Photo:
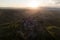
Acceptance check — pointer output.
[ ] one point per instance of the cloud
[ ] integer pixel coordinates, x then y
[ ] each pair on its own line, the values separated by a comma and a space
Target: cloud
56, 1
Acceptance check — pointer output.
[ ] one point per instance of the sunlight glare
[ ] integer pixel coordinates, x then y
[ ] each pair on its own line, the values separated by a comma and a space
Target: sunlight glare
33, 4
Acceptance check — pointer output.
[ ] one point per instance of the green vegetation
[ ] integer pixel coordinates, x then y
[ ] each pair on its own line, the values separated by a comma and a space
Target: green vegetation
46, 25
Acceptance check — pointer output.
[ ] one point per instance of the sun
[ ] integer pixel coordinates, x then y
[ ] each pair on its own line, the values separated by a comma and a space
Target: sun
33, 4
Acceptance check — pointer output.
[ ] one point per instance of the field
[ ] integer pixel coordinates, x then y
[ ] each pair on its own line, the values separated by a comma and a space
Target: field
22, 24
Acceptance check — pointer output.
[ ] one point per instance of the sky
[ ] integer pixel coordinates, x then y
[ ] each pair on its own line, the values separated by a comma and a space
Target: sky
24, 3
